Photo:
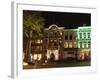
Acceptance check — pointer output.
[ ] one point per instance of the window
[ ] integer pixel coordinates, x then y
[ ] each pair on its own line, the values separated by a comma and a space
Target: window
71, 37
51, 40
80, 34
38, 41
65, 45
85, 45
89, 45
60, 33
51, 34
41, 41
66, 37
84, 35
55, 44
88, 35
60, 41
46, 40
56, 34
70, 45
75, 45
75, 37
37, 56
80, 44
55, 40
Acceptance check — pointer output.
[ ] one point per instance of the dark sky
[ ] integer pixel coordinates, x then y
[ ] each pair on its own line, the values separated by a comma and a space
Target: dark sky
68, 20
65, 19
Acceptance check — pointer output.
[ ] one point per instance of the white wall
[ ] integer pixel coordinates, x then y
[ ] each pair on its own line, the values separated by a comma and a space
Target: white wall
5, 38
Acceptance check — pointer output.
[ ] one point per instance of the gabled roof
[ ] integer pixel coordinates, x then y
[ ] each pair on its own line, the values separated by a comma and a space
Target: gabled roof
54, 27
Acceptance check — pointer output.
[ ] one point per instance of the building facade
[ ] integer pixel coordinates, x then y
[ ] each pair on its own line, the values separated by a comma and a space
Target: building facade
53, 42
58, 43
37, 49
70, 44
84, 42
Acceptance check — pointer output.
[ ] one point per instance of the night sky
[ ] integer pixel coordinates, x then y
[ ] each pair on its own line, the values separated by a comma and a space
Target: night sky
65, 19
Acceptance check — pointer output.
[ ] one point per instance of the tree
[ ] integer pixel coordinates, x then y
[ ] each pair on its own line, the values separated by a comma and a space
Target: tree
33, 23
32, 20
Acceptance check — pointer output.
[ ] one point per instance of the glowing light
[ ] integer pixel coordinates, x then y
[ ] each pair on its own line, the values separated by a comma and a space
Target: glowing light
41, 41
70, 45
55, 40
60, 33
25, 64
38, 41
56, 55
65, 44
37, 56
55, 52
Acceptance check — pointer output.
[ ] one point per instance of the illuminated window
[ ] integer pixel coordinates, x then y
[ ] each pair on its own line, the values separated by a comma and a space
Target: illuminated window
65, 45
60, 33
75, 45
55, 40
70, 45
39, 41
60, 41
37, 56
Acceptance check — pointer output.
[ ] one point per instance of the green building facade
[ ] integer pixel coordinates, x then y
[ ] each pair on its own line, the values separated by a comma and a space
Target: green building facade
84, 42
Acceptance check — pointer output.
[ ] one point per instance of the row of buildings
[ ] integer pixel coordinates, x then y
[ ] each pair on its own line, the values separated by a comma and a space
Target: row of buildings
58, 43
